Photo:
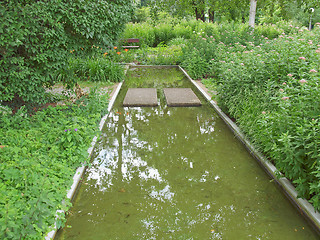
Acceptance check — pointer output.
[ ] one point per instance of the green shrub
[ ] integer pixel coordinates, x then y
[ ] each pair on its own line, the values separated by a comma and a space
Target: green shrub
37, 38
163, 33
272, 91
290, 27
143, 31
38, 161
198, 55
181, 31
269, 31
161, 55
141, 15
179, 41
196, 65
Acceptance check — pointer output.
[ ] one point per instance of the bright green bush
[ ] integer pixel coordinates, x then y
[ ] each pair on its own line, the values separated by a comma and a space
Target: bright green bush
290, 27
141, 15
181, 31
268, 30
196, 65
198, 55
163, 33
36, 38
179, 41
161, 55
143, 31
38, 161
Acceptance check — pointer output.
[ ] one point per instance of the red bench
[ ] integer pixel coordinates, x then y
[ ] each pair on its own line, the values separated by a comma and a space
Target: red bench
131, 40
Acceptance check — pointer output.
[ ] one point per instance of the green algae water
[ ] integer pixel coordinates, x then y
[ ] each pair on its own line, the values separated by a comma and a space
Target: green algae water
176, 173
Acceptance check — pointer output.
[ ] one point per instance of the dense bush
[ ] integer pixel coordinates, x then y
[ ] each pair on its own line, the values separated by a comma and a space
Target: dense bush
163, 33
37, 38
143, 31
272, 90
39, 158
233, 37
197, 56
141, 15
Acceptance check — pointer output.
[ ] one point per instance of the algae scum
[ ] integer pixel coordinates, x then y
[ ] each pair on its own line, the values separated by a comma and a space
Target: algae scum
176, 173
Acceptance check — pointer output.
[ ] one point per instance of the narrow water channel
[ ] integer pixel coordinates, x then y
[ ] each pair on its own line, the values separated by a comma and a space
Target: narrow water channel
176, 173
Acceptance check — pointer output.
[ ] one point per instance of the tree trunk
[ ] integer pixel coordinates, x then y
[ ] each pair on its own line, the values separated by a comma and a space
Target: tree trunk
202, 17
252, 15
198, 10
199, 14
211, 15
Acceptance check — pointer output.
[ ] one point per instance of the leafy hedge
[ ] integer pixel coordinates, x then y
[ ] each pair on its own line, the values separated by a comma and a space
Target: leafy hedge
38, 160
36, 38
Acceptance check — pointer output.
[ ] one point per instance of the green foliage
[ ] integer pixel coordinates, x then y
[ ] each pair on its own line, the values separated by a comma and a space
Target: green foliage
267, 30
182, 31
272, 91
141, 15
36, 38
94, 69
197, 56
38, 161
161, 55
227, 33
201, 55
143, 31
179, 41
163, 33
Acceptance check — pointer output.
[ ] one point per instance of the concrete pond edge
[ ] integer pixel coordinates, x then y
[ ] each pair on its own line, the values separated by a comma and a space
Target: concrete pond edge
305, 208
80, 170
